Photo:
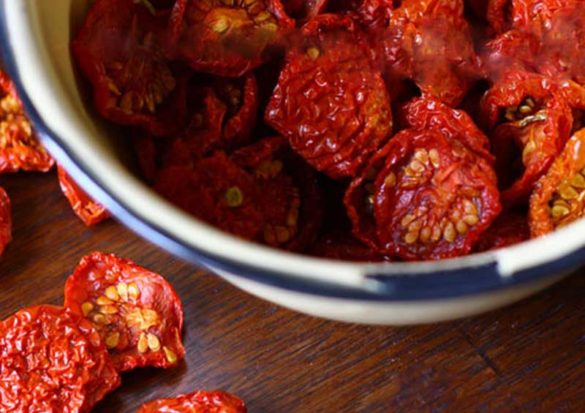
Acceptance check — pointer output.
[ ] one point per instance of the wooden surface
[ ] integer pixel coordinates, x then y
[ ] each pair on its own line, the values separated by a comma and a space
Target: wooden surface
529, 357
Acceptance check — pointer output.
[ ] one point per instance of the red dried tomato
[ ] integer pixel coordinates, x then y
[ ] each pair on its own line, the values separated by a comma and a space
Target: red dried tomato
430, 113
19, 145
507, 230
304, 8
121, 50
289, 196
223, 116
89, 211
373, 14
228, 38
136, 312
559, 196
263, 193
492, 11
423, 196
198, 402
52, 360
430, 42
331, 102
531, 121
5, 220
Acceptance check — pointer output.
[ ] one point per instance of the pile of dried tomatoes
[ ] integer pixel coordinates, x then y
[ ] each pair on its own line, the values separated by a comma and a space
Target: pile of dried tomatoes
351, 129
116, 316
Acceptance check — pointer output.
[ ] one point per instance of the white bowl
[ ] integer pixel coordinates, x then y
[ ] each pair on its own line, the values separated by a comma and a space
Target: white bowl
35, 43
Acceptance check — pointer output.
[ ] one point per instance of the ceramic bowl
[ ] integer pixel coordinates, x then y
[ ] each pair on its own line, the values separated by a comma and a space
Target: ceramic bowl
34, 38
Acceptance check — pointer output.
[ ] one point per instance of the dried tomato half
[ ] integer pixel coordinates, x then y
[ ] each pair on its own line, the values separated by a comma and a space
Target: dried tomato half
121, 50
198, 402
52, 360
263, 192
304, 8
510, 228
136, 312
5, 220
494, 12
228, 38
330, 102
20, 148
559, 196
89, 211
223, 114
430, 42
423, 196
372, 14
530, 120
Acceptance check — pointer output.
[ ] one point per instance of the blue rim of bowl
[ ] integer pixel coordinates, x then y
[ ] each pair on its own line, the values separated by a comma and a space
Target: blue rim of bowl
442, 284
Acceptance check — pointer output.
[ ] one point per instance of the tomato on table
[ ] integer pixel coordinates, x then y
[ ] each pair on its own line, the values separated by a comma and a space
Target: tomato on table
228, 38
559, 196
198, 402
430, 42
121, 49
136, 312
20, 149
508, 229
52, 360
424, 196
331, 102
88, 210
530, 120
5, 220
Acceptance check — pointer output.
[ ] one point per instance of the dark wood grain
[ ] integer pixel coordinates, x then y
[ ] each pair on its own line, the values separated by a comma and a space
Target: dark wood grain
529, 357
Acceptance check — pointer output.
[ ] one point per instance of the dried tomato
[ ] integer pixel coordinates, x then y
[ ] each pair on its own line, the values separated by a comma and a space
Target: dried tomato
495, 12
88, 210
136, 312
423, 196
344, 246
304, 8
330, 101
198, 402
430, 42
510, 228
289, 196
121, 49
372, 14
5, 220
52, 360
531, 120
228, 38
262, 193
430, 113
20, 148
223, 116
559, 196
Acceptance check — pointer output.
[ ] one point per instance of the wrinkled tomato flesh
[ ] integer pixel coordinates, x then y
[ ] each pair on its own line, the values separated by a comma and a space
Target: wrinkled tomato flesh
198, 402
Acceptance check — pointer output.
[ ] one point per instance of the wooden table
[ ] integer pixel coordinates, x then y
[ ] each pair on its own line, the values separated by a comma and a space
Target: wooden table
529, 357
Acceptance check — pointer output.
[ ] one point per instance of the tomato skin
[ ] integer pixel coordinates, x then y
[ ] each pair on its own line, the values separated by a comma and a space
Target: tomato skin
121, 49
344, 246
5, 220
330, 101
143, 304
89, 211
509, 229
228, 41
52, 360
539, 135
20, 149
424, 196
201, 401
430, 42
431, 113
557, 199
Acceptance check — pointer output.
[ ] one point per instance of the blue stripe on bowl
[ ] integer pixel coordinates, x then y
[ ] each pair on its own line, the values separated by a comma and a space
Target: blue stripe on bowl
437, 285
